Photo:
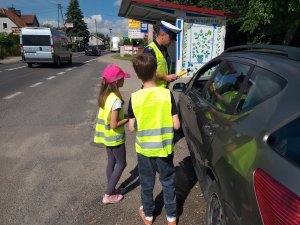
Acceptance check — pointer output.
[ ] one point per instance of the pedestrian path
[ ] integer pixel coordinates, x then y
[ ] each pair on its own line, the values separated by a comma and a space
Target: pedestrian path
10, 59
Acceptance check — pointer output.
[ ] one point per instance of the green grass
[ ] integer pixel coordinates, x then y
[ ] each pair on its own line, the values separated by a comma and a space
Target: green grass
125, 57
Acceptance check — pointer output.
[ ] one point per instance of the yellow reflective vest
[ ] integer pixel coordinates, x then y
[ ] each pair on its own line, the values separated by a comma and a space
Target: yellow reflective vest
103, 133
152, 109
162, 65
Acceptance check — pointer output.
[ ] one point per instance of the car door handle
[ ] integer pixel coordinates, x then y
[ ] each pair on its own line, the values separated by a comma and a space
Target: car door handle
189, 106
207, 130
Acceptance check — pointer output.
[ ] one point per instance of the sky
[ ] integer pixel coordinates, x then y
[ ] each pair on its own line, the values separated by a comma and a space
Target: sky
104, 11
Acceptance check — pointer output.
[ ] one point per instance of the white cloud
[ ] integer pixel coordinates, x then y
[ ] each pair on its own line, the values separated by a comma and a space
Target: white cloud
51, 22
117, 27
117, 2
92, 21
103, 26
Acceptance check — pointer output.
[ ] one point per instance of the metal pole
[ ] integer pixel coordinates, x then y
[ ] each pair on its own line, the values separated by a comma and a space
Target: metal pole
57, 16
96, 36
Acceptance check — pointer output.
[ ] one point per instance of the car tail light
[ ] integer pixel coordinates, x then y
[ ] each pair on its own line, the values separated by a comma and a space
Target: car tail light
52, 49
21, 49
277, 204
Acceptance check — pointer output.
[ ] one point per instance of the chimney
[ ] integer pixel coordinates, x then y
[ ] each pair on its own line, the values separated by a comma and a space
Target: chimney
17, 12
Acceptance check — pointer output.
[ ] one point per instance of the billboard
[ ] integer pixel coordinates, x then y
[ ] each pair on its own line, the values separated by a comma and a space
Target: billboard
134, 24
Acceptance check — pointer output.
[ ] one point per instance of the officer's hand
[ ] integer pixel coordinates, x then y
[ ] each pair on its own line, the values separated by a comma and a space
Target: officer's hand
170, 77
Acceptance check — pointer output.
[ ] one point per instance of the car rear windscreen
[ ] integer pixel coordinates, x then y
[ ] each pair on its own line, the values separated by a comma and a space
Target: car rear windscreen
36, 40
286, 141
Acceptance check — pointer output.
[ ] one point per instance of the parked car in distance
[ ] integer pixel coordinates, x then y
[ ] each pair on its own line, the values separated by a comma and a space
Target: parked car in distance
92, 50
41, 45
240, 115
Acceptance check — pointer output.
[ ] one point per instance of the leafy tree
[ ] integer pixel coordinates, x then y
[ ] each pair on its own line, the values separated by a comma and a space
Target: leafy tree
9, 45
74, 15
258, 21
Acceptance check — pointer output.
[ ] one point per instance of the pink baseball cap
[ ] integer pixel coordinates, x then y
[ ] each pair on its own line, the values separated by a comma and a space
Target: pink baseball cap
114, 73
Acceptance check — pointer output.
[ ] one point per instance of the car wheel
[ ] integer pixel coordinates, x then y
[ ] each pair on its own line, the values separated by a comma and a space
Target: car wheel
70, 60
58, 63
29, 65
215, 211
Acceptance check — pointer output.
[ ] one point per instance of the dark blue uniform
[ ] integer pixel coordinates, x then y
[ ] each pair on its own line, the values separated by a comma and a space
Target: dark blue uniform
163, 51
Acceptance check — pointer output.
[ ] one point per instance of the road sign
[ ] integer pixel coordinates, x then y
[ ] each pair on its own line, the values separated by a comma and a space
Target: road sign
134, 24
144, 27
69, 25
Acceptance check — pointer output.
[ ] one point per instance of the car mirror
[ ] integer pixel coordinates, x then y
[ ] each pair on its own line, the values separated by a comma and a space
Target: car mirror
179, 87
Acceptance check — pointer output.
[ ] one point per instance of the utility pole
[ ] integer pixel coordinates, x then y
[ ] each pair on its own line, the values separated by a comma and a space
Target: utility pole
96, 36
59, 10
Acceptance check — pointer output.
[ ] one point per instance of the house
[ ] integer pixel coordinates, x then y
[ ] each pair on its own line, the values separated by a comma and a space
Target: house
95, 40
203, 30
11, 20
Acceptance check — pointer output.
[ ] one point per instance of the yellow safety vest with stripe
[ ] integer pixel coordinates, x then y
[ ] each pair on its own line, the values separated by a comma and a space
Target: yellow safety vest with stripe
104, 134
152, 109
162, 65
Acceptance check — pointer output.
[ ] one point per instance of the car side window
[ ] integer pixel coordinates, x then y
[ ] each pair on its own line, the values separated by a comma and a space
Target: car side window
286, 141
203, 75
226, 84
262, 85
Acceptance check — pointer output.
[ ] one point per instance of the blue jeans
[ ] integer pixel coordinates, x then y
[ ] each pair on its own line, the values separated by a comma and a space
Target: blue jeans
148, 166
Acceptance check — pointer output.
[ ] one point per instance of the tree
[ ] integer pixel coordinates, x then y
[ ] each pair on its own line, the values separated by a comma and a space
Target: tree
48, 25
258, 21
74, 15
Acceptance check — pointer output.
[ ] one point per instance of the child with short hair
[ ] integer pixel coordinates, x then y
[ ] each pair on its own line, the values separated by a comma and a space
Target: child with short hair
110, 130
153, 115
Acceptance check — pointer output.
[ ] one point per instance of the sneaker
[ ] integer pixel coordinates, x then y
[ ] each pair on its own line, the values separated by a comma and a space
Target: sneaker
111, 198
148, 220
120, 191
172, 220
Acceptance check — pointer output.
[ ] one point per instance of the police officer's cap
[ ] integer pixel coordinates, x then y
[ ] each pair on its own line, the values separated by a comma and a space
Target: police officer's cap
170, 29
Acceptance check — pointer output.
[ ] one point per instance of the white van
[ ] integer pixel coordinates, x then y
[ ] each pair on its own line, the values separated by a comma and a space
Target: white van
115, 44
41, 45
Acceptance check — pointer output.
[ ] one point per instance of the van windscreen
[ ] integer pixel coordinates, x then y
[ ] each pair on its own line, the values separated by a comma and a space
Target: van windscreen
36, 40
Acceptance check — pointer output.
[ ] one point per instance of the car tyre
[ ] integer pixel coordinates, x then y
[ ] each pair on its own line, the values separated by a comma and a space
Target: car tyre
29, 65
70, 60
215, 211
58, 63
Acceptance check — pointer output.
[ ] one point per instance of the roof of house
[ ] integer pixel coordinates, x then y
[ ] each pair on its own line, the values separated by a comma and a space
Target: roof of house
96, 36
28, 19
19, 20
153, 11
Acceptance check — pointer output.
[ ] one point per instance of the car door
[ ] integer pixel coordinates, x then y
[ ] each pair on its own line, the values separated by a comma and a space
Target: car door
190, 103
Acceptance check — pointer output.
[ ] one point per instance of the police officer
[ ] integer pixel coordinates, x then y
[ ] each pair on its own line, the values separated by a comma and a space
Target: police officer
158, 48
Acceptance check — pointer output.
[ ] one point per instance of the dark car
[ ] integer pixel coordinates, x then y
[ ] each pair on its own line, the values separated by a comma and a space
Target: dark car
92, 50
240, 116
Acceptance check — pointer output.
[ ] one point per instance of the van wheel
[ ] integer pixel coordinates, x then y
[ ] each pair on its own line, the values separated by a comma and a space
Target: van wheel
58, 63
215, 211
29, 65
70, 60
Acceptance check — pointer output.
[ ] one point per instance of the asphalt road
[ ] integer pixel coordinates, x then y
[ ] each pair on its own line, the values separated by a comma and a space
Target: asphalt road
50, 171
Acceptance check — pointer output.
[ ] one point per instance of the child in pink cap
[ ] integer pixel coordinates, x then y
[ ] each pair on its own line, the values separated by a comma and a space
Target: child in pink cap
110, 130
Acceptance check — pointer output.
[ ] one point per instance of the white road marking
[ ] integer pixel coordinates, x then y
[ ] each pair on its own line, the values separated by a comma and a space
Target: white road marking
69, 69
50, 78
16, 68
90, 60
36, 84
13, 95
61, 73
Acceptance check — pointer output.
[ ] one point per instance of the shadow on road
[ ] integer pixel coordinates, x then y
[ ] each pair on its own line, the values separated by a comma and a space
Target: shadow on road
185, 179
132, 181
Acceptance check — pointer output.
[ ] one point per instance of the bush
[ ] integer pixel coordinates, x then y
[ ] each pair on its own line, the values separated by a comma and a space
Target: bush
9, 45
